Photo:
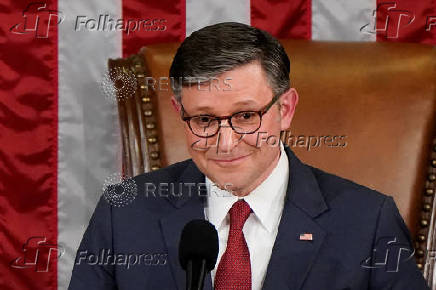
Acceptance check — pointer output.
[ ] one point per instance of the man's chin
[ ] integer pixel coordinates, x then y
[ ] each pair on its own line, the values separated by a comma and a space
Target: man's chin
228, 182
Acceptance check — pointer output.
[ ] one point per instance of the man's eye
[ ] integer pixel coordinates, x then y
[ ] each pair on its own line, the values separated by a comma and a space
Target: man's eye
202, 119
246, 116
205, 119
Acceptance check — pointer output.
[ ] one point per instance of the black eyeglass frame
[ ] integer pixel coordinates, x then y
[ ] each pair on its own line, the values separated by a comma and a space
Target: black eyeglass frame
262, 112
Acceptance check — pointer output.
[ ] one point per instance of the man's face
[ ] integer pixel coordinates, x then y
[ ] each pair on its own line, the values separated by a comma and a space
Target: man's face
237, 162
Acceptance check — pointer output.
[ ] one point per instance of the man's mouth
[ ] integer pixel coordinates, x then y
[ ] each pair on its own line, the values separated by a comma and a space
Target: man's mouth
229, 161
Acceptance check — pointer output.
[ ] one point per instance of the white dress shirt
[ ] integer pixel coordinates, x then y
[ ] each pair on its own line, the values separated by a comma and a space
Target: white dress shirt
260, 229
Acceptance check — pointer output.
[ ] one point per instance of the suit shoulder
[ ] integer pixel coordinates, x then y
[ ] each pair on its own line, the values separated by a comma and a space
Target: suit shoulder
166, 174
335, 187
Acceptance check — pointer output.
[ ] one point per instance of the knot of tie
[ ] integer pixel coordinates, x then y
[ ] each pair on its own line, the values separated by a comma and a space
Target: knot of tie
239, 213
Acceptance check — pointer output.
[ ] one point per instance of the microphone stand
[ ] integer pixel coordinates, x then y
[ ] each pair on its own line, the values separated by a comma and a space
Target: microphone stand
190, 283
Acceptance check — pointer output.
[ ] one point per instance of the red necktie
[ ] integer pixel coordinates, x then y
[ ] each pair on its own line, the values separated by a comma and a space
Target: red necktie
234, 269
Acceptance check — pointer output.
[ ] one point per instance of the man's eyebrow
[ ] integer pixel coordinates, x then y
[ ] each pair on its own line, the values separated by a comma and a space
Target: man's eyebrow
202, 109
242, 102
246, 102
210, 109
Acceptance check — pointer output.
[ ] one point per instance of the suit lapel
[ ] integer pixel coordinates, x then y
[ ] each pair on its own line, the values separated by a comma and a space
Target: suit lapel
188, 206
292, 258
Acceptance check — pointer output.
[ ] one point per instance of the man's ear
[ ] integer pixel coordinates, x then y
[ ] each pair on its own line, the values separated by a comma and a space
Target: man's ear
176, 104
288, 103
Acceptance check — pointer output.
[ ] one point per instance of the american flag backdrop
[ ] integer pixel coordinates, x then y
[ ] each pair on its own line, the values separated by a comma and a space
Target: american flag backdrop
59, 137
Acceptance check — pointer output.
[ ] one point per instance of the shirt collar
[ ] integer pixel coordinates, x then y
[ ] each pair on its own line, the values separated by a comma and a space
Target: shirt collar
266, 200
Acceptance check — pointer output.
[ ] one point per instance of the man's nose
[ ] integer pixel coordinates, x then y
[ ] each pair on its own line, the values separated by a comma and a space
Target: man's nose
227, 138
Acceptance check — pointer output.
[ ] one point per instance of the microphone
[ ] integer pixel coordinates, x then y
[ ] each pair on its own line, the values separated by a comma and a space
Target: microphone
198, 252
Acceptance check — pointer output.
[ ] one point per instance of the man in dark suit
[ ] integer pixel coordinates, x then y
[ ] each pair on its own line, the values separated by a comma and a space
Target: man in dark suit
281, 224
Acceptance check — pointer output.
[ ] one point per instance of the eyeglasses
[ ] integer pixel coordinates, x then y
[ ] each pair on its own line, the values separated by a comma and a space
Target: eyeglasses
242, 122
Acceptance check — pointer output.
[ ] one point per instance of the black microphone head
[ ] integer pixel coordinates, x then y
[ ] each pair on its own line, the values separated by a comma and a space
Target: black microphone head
199, 240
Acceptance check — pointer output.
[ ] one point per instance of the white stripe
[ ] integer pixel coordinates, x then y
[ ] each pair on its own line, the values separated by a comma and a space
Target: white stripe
88, 132
200, 13
342, 20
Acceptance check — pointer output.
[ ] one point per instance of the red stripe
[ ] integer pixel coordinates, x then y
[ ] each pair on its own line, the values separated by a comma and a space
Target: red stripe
28, 143
406, 21
284, 18
159, 21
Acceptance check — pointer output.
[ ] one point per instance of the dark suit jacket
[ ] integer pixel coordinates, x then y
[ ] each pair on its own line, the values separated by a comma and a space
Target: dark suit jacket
359, 240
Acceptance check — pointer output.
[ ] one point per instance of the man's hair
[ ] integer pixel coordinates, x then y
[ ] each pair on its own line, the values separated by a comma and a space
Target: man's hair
219, 48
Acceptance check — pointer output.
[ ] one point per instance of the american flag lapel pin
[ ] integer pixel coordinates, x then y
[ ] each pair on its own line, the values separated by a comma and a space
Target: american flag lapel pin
306, 237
